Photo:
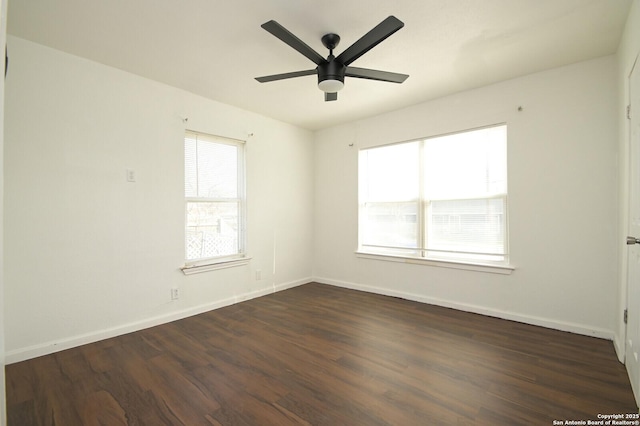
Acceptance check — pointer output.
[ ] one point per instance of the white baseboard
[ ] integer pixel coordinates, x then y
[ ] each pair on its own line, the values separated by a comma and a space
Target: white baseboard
618, 345
46, 348
512, 316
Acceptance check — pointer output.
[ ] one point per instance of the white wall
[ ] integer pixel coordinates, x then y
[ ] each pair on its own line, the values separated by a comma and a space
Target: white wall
89, 255
628, 50
562, 156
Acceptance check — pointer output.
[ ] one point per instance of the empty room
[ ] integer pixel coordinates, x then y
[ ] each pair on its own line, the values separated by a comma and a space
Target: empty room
283, 212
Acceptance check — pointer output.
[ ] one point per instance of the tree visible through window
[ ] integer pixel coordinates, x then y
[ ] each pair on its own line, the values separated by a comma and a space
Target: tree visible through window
442, 197
214, 197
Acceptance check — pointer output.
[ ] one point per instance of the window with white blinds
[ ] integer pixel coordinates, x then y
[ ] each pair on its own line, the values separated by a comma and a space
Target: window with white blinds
214, 198
438, 198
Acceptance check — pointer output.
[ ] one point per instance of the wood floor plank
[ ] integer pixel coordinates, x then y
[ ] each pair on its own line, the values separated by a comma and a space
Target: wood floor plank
322, 355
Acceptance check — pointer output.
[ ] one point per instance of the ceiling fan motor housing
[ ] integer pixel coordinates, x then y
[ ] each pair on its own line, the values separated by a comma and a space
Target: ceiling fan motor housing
331, 70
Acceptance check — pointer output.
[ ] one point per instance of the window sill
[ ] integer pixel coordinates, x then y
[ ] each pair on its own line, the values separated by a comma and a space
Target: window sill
467, 266
214, 265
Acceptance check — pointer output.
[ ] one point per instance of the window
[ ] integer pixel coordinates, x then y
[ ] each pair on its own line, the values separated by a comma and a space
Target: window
441, 198
214, 199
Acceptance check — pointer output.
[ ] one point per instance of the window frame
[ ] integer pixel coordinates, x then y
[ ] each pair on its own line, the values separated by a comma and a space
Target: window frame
209, 263
422, 254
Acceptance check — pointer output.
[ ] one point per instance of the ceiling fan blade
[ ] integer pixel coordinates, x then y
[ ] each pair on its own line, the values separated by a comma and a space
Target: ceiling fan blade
371, 39
275, 77
283, 34
330, 96
391, 77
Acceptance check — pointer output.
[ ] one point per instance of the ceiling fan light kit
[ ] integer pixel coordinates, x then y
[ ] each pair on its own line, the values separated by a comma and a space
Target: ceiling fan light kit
332, 71
331, 85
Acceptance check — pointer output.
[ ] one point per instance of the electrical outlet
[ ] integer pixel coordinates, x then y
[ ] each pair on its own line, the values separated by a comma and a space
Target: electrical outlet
175, 294
258, 275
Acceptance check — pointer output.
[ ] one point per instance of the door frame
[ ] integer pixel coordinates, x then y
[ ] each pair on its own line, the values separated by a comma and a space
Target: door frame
625, 292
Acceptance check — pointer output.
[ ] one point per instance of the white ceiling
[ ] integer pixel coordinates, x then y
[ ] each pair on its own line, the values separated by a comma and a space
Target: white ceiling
215, 48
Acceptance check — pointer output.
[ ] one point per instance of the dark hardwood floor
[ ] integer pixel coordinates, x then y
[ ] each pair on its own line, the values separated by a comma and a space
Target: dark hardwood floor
320, 355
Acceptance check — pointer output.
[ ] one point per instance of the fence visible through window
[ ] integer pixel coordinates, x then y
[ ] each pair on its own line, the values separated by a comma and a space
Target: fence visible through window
214, 197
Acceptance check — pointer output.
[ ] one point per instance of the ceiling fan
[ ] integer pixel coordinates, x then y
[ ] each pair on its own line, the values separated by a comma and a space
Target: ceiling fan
332, 71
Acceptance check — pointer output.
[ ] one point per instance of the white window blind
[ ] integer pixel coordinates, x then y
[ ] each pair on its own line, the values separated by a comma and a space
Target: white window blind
214, 197
443, 197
